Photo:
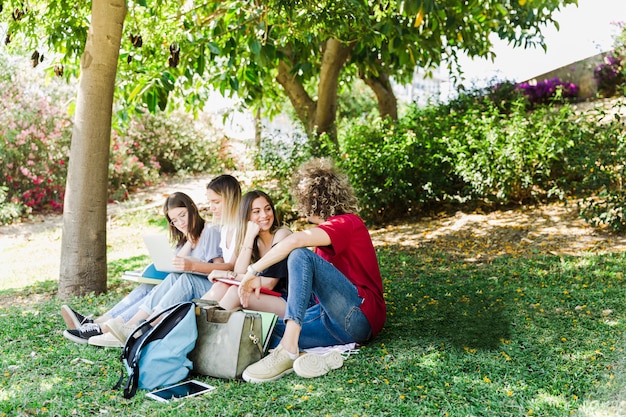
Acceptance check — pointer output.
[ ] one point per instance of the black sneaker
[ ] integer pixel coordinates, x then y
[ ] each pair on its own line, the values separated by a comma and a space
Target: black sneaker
73, 319
83, 333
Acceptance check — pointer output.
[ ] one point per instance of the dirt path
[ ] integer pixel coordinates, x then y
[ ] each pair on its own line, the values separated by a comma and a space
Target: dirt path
554, 228
37, 242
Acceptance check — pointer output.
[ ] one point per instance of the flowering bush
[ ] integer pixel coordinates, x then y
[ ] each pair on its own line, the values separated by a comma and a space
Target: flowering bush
126, 171
544, 91
36, 135
35, 146
8, 211
609, 75
174, 144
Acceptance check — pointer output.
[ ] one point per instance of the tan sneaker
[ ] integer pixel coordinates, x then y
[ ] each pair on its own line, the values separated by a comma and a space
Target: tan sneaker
105, 340
311, 365
270, 368
120, 330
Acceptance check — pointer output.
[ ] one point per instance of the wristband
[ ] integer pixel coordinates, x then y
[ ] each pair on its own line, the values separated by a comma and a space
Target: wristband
252, 270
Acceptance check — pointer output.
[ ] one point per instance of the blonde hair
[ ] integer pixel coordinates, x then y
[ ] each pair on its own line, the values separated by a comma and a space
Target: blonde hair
228, 187
321, 189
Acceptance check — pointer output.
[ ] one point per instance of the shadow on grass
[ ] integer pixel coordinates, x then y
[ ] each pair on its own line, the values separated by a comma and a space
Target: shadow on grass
434, 303
464, 326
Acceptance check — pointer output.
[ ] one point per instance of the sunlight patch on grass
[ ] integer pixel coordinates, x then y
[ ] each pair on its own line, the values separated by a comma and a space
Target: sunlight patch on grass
602, 409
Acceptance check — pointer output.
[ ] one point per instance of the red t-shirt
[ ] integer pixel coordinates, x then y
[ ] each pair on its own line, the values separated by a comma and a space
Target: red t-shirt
352, 252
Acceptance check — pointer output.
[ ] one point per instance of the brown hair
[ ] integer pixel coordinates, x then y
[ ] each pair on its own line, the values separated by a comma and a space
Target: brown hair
321, 189
194, 221
245, 209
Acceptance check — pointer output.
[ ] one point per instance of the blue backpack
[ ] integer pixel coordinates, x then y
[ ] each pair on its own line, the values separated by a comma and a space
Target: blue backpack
156, 356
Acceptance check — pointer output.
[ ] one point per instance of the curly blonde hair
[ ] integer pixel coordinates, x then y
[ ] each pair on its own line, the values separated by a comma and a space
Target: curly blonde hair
321, 189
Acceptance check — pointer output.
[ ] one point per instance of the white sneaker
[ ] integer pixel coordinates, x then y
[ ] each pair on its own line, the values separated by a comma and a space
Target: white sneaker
105, 340
312, 365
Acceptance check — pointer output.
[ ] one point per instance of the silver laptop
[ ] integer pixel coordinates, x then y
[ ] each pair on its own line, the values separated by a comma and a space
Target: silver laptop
161, 252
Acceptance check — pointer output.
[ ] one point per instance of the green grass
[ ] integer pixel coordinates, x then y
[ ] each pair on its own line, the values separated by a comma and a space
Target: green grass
520, 336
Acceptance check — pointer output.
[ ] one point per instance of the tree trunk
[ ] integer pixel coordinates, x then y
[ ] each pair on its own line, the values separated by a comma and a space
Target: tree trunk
299, 98
317, 117
83, 251
387, 102
334, 57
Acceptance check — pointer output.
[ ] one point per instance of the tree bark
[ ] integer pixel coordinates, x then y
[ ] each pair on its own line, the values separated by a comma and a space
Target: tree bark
387, 102
317, 117
334, 57
83, 251
300, 100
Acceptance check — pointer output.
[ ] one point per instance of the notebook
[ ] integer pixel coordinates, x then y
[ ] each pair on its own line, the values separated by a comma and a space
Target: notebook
148, 272
268, 322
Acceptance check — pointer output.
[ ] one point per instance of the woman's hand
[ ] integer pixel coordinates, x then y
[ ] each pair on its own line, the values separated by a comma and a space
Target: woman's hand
183, 263
249, 284
252, 231
217, 274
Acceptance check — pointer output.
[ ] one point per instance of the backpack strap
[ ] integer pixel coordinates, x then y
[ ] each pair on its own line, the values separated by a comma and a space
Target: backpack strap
133, 380
135, 342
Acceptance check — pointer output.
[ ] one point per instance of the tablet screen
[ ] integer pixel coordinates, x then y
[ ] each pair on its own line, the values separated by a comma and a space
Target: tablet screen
186, 389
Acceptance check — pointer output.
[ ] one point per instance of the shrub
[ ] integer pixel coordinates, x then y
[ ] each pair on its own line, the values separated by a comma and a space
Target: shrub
606, 210
546, 91
604, 179
609, 75
280, 156
356, 102
36, 133
174, 144
511, 158
9, 211
473, 149
395, 170
35, 147
126, 171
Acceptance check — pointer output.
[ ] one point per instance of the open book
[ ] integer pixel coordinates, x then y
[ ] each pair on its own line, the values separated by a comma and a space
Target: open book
230, 281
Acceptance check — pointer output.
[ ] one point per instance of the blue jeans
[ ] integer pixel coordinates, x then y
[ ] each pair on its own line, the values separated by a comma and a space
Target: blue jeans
152, 299
336, 319
129, 305
185, 287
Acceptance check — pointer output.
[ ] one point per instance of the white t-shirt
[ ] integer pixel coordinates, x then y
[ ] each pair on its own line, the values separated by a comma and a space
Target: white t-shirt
226, 251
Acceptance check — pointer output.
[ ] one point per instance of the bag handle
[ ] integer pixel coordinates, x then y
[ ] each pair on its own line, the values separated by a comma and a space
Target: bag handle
210, 308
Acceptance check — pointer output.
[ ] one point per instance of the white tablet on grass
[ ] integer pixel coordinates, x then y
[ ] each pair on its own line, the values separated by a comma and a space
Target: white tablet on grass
185, 389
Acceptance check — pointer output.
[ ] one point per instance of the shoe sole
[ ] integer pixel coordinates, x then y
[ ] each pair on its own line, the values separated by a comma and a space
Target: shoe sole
254, 380
105, 343
74, 339
70, 319
312, 365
